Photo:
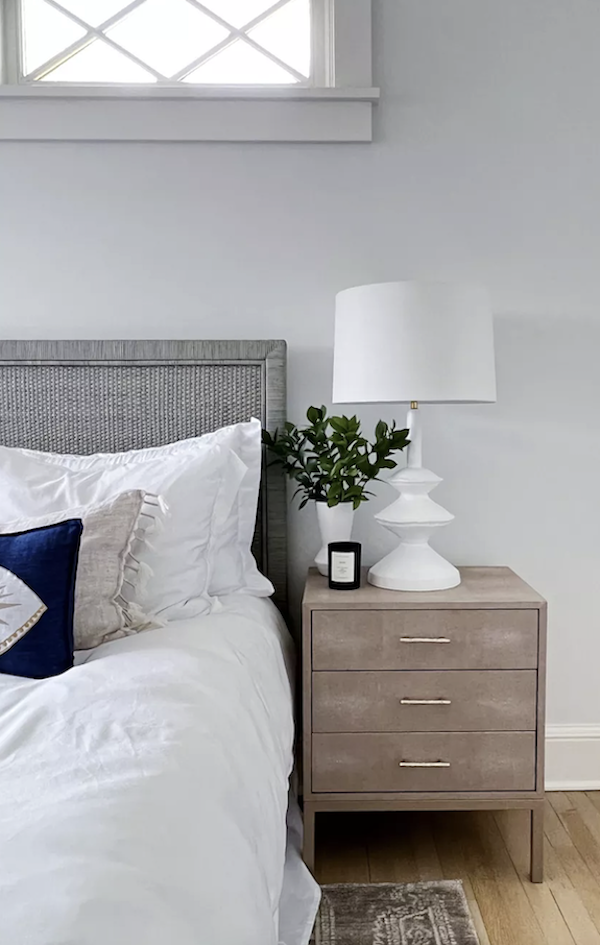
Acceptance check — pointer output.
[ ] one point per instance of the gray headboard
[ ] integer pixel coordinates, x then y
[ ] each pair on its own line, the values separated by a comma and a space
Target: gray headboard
107, 396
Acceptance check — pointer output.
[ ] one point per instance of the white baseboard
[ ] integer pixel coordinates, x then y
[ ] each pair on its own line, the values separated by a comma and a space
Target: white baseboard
573, 757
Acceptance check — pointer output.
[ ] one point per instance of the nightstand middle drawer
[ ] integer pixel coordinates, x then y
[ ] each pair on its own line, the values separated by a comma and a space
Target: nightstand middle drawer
417, 701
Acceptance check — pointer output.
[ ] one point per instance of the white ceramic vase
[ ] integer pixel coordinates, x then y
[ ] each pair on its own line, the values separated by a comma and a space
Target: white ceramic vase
335, 524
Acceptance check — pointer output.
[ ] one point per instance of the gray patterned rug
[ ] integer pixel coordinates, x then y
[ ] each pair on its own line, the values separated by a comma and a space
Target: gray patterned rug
392, 914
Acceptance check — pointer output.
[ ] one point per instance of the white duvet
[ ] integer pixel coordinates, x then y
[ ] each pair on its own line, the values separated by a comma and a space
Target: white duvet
143, 794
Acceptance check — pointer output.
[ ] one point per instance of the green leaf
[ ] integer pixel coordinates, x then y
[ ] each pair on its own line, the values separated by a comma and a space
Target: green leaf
337, 467
365, 466
338, 424
381, 430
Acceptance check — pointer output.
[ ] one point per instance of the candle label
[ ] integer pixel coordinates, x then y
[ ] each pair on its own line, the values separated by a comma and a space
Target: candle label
342, 567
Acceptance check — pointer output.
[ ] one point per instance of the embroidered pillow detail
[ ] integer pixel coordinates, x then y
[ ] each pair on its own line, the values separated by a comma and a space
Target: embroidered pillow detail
20, 609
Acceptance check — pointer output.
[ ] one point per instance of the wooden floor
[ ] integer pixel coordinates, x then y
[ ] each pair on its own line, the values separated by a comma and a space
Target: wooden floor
490, 853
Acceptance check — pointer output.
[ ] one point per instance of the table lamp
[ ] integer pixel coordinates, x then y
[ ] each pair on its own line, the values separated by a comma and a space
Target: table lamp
415, 343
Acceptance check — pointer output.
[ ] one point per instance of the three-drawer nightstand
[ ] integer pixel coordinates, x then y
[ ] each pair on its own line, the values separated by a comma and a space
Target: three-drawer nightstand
415, 701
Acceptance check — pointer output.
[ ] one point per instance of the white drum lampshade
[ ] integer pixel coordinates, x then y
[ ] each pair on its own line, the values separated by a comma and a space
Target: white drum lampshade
414, 342
398, 342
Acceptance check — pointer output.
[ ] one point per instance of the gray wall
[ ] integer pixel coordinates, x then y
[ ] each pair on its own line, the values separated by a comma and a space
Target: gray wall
485, 167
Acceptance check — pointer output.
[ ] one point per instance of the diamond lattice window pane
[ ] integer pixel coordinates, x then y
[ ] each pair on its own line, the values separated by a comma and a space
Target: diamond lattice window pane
286, 34
240, 64
94, 12
99, 62
238, 12
168, 34
45, 33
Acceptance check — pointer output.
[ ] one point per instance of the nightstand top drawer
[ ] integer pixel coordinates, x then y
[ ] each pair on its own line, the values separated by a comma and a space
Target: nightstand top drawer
421, 639
427, 761
445, 701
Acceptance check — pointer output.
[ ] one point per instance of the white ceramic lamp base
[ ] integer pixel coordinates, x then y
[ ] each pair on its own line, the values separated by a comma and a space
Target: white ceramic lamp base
413, 517
414, 566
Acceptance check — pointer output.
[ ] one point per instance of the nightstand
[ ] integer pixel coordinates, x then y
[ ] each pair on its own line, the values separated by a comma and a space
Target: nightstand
425, 701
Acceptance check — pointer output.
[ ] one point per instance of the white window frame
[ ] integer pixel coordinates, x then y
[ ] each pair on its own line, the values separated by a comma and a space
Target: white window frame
337, 107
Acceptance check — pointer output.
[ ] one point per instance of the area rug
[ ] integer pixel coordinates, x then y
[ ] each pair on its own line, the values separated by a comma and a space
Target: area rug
393, 914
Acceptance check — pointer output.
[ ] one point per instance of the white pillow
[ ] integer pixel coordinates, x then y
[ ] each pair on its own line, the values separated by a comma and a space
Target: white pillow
198, 487
233, 566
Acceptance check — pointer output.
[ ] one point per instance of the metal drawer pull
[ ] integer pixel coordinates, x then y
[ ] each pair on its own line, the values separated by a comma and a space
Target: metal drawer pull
425, 640
425, 702
424, 764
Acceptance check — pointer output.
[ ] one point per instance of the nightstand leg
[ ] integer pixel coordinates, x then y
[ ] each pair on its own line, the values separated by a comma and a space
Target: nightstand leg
308, 847
537, 845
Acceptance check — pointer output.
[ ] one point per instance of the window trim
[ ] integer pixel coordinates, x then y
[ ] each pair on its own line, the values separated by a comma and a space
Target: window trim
9, 43
337, 109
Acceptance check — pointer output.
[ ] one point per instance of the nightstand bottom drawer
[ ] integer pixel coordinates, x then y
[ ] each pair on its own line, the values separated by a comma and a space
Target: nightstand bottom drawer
423, 761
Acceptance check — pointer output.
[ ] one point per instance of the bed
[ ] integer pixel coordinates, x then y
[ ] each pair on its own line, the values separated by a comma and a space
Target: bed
144, 792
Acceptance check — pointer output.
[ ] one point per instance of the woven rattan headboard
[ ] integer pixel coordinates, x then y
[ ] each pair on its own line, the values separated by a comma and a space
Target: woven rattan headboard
106, 396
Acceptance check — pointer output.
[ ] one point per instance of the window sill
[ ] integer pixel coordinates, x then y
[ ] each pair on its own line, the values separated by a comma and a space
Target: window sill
139, 113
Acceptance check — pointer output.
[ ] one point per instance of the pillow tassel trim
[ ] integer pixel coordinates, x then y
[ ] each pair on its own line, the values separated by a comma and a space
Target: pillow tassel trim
137, 574
135, 618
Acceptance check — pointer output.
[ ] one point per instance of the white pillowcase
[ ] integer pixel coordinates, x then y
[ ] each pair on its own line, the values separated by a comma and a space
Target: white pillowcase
233, 567
199, 487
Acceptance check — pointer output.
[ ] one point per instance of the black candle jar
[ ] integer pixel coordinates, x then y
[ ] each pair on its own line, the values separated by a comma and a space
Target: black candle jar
344, 565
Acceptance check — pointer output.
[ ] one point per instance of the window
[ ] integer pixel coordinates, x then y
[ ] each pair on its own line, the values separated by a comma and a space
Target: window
216, 42
271, 58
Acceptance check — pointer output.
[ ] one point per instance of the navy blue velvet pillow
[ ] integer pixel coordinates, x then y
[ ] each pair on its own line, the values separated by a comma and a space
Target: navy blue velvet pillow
37, 590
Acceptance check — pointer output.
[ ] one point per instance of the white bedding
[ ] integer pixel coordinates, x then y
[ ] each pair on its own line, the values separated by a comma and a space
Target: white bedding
143, 793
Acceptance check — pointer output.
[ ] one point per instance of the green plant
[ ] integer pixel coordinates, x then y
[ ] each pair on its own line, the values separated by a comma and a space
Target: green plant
330, 459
